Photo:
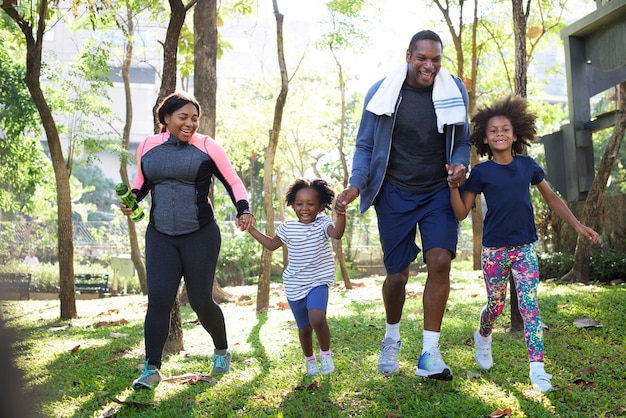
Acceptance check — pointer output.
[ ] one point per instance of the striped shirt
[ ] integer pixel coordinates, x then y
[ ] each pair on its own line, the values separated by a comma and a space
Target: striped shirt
310, 257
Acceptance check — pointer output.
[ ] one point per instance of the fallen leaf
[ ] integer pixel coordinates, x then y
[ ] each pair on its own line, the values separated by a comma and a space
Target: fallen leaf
111, 412
111, 361
118, 335
473, 375
244, 297
75, 348
282, 305
244, 302
132, 403
582, 383
61, 328
587, 323
312, 385
392, 415
191, 378
588, 370
501, 413
110, 323
360, 284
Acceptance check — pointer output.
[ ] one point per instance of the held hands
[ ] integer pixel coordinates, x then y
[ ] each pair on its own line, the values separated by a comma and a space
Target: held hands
245, 221
346, 197
456, 175
340, 207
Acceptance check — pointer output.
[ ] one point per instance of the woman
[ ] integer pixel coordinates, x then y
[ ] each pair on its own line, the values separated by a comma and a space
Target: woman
182, 238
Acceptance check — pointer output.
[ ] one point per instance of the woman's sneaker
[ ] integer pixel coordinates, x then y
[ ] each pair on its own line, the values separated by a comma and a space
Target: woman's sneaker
221, 362
327, 364
311, 368
431, 365
149, 379
482, 351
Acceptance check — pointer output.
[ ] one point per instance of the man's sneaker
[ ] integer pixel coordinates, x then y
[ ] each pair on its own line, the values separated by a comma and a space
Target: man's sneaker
327, 364
541, 381
388, 360
221, 362
482, 351
149, 379
431, 365
311, 368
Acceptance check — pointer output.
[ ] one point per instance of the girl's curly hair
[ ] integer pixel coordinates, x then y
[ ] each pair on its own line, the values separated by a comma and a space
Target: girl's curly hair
325, 193
515, 109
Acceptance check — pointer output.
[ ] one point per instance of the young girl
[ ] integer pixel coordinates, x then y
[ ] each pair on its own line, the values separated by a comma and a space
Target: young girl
501, 132
311, 267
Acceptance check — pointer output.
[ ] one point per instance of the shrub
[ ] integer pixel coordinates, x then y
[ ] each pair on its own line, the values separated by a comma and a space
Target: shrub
605, 266
554, 265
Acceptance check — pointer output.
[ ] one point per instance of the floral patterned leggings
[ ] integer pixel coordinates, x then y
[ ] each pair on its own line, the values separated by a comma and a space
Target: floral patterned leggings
521, 262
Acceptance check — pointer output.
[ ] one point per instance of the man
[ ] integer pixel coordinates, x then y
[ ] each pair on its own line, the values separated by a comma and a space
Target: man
413, 139
31, 259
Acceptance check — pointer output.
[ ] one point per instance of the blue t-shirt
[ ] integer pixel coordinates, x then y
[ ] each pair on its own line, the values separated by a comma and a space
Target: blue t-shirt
510, 218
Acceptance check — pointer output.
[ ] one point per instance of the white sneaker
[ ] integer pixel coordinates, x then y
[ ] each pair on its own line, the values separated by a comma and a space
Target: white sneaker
431, 365
482, 351
541, 381
388, 359
311, 368
327, 364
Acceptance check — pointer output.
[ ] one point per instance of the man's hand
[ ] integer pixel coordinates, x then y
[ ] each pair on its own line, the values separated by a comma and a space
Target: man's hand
456, 175
348, 195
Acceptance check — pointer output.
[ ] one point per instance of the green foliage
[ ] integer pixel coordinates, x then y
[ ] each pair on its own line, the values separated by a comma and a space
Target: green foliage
101, 192
239, 255
554, 265
24, 165
608, 266
80, 101
604, 266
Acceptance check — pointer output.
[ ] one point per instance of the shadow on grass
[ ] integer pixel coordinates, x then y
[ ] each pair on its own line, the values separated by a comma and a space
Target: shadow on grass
269, 378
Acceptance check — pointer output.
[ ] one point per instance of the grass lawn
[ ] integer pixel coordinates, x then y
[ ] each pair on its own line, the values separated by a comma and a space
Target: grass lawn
84, 367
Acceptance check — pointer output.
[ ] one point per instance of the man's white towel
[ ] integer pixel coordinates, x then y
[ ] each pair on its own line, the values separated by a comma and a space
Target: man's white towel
447, 99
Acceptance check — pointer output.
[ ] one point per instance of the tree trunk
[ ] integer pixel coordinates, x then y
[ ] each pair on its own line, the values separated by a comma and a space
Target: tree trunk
174, 341
595, 198
341, 261
477, 210
135, 254
338, 244
477, 223
170, 54
519, 28
34, 44
263, 290
205, 86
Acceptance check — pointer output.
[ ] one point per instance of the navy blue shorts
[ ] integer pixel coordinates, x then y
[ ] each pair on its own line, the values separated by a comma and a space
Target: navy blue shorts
398, 214
316, 299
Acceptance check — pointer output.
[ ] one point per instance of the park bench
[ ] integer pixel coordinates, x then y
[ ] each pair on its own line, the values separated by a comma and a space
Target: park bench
92, 283
16, 282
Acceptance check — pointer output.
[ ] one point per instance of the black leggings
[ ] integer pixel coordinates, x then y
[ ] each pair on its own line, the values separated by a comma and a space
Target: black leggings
168, 258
